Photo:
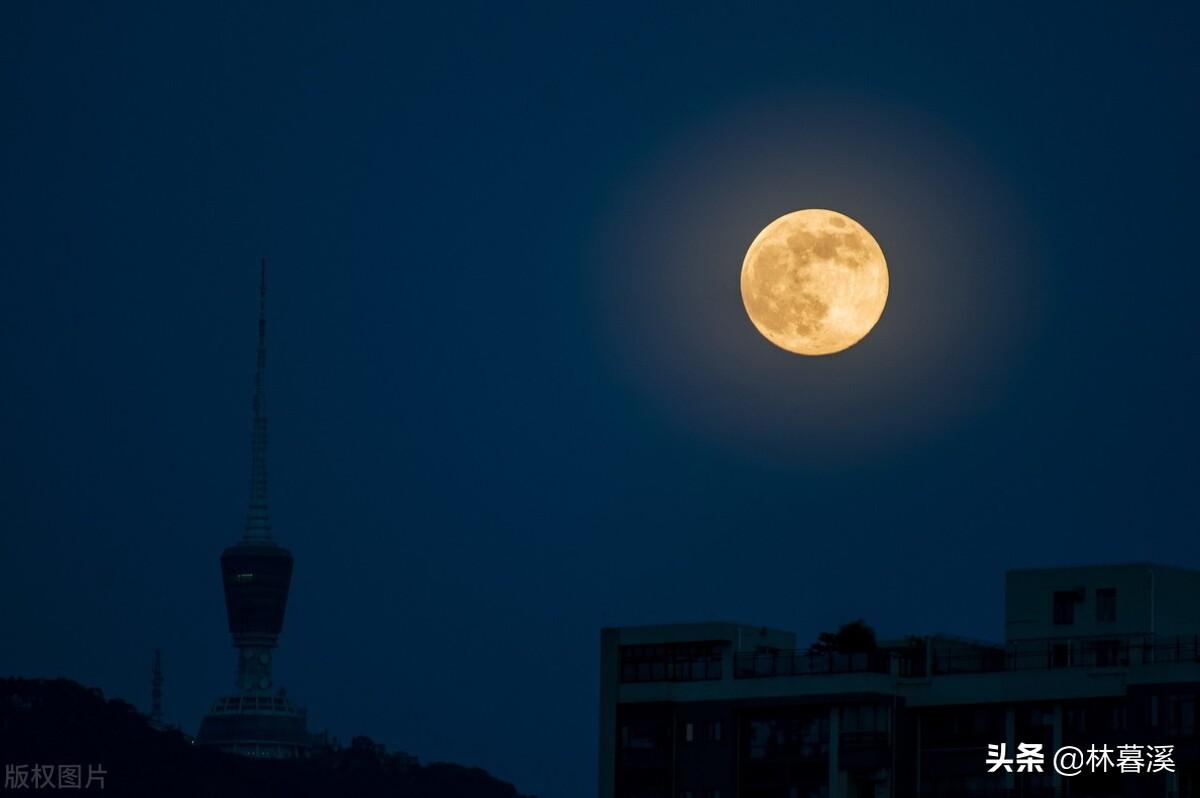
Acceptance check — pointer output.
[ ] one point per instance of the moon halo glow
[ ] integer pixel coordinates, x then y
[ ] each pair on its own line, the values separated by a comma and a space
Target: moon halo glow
814, 282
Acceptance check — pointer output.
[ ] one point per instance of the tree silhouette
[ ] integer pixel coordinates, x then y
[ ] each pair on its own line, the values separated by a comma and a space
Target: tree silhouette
855, 637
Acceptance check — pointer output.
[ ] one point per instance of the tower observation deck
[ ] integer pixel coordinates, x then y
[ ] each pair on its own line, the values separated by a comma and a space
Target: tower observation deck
256, 572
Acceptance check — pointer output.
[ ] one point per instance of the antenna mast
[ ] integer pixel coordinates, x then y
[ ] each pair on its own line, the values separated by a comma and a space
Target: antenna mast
258, 525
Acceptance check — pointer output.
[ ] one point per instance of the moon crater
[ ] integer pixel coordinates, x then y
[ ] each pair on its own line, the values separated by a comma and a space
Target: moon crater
814, 282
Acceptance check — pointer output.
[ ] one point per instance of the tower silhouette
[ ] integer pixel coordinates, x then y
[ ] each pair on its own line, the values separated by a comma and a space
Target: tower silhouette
256, 572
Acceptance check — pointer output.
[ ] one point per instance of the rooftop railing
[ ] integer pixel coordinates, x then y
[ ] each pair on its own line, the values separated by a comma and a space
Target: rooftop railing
1080, 652
1042, 654
765, 664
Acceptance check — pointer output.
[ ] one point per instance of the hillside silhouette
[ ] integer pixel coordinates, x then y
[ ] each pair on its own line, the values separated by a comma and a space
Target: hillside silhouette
58, 721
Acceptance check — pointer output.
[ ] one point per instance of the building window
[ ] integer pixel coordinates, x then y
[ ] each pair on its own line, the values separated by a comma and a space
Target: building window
1064, 607
675, 662
1107, 653
639, 736
714, 731
1106, 605
791, 738
1182, 715
688, 732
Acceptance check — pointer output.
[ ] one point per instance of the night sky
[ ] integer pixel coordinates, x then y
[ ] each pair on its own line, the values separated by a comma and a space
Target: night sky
513, 393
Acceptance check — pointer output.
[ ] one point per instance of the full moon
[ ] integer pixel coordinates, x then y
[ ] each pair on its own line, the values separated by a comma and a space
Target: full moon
814, 282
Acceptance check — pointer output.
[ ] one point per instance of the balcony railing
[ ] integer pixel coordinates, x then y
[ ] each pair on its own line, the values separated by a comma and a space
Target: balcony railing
997, 792
765, 664
1025, 655
1080, 652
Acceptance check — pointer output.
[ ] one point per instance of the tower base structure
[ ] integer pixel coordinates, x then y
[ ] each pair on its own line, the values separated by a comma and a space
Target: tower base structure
258, 725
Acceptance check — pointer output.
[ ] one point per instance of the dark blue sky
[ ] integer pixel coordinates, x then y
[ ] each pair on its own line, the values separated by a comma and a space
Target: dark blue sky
512, 391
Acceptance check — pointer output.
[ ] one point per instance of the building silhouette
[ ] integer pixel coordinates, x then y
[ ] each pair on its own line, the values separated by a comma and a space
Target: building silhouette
1093, 656
257, 720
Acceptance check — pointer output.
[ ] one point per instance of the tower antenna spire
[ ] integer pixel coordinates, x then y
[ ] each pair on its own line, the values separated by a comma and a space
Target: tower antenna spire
258, 524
